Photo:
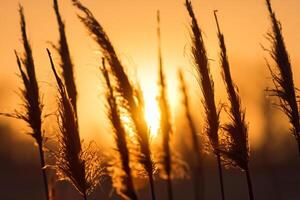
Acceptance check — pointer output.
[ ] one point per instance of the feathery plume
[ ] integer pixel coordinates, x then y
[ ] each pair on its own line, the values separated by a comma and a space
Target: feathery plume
32, 105
165, 124
207, 86
282, 76
125, 188
65, 59
79, 167
197, 147
127, 93
236, 148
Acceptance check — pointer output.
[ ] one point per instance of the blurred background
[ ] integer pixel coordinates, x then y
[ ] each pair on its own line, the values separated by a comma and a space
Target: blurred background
131, 25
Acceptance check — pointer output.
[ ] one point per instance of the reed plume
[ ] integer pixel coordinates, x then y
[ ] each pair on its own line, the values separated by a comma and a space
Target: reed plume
125, 188
197, 146
80, 167
282, 76
165, 124
207, 86
65, 59
127, 93
32, 105
236, 148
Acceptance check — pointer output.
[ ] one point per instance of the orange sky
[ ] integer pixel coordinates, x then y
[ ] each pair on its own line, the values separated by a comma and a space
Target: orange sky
131, 25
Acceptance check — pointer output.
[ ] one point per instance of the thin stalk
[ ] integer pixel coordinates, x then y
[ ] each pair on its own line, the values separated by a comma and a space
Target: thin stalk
42, 161
126, 188
151, 183
249, 182
165, 124
220, 176
85, 196
197, 146
170, 190
207, 86
33, 106
37, 133
236, 151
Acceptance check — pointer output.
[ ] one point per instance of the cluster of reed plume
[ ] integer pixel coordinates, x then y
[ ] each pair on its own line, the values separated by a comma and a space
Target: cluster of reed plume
80, 164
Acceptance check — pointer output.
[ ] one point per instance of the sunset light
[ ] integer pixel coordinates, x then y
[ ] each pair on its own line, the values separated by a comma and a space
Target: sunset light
149, 99
152, 113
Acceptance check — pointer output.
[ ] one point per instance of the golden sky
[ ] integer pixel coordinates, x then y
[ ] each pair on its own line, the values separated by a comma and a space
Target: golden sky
131, 25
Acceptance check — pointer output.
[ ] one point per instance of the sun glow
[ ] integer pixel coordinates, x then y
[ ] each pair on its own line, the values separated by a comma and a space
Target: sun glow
152, 117
152, 113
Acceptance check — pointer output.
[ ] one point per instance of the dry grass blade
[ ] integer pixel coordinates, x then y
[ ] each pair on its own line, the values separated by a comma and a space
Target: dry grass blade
32, 103
197, 147
236, 148
65, 57
282, 76
206, 83
127, 93
78, 166
125, 186
202, 66
99, 35
32, 106
165, 124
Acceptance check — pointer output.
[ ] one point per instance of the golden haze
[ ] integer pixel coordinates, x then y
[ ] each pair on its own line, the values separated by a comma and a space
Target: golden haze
131, 26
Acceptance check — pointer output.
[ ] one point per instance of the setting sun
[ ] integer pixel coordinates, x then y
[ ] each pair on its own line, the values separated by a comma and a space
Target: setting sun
152, 114
146, 100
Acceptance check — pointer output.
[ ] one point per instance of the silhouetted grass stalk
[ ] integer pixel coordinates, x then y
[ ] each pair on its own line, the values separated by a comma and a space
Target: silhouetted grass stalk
207, 86
197, 147
65, 57
33, 107
282, 76
237, 147
165, 124
124, 89
126, 189
79, 167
